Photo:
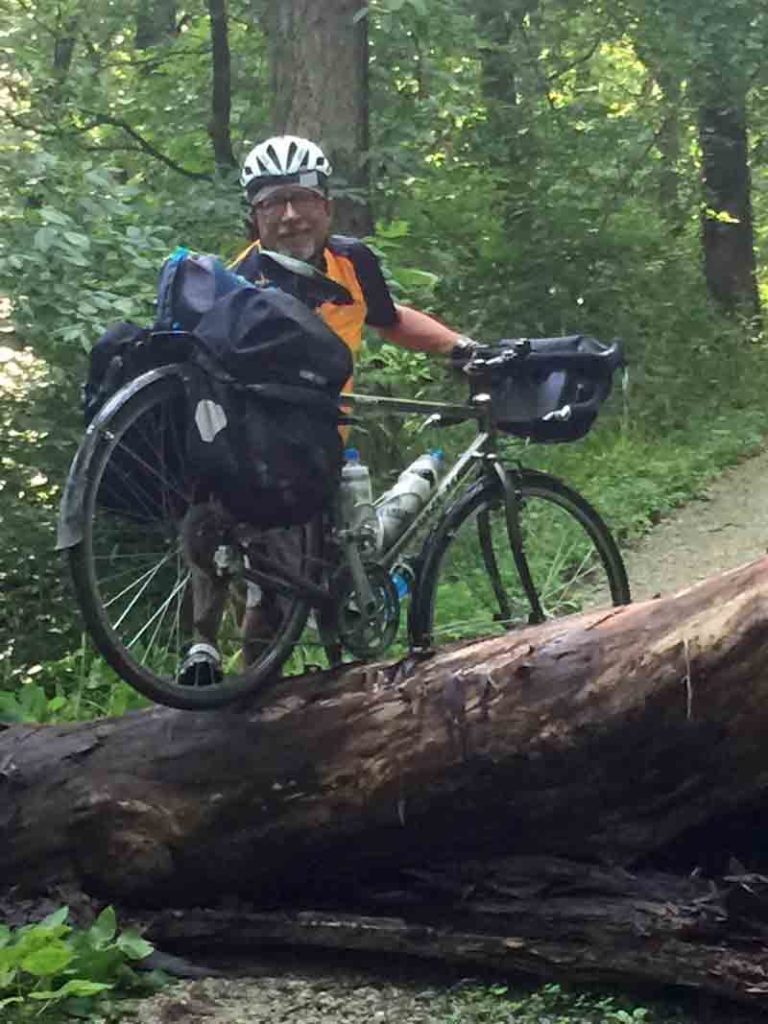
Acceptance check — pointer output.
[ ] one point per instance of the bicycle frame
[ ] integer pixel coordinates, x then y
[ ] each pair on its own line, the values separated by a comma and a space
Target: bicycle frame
459, 471
482, 452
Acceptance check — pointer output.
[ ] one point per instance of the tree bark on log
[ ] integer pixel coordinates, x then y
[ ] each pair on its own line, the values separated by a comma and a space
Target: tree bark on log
600, 739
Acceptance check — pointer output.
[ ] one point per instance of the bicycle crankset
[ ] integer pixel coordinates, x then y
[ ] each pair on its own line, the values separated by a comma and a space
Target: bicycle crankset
367, 633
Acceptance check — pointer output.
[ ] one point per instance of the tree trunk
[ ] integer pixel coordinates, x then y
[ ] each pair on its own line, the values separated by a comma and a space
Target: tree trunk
509, 100
614, 739
727, 233
218, 129
64, 47
319, 57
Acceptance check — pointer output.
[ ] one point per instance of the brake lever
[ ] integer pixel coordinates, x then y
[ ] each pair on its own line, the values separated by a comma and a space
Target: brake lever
478, 366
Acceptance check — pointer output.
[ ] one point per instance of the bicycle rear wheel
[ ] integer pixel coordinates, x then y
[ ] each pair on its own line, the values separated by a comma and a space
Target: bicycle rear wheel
132, 581
469, 586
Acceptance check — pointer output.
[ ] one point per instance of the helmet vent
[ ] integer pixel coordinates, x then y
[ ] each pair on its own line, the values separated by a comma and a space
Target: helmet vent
284, 157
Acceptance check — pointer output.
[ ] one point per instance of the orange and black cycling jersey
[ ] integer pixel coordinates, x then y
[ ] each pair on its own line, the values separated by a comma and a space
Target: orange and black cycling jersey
351, 263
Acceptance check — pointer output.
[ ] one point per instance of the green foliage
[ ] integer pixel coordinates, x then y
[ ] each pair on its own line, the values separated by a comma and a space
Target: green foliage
51, 971
76, 687
86, 256
536, 171
39, 428
552, 1004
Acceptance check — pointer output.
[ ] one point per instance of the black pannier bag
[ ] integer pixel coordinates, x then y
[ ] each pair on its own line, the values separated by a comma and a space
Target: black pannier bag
263, 436
553, 394
259, 428
272, 458
130, 485
116, 357
261, 335
122, 353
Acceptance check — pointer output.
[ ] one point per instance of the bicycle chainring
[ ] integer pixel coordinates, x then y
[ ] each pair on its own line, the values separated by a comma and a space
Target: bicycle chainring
367, 635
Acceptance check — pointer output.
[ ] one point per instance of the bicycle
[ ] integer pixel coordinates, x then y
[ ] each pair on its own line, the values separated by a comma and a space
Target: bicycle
510, 544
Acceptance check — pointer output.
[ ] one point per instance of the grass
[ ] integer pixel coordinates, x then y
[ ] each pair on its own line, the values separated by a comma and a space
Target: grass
635, 477
551, 1004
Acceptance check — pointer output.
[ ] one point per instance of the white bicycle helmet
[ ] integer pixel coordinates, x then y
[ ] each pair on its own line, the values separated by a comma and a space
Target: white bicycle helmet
285, 160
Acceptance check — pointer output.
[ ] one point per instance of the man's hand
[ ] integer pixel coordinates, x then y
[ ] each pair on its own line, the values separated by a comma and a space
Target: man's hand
463, 352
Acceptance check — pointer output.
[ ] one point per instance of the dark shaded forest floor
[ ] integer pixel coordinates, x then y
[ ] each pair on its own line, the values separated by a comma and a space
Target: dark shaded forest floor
347, 988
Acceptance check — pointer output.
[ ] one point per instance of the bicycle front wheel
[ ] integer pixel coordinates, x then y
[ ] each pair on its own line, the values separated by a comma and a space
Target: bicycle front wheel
469, 586
132, 580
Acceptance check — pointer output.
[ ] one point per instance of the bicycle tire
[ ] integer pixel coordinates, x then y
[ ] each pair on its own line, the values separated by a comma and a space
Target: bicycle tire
135, 492
562, 534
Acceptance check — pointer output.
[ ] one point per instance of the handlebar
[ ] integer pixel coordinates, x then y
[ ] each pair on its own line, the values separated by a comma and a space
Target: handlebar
546, 354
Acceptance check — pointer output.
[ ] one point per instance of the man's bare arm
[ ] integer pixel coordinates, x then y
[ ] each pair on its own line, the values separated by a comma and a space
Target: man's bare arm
420, 332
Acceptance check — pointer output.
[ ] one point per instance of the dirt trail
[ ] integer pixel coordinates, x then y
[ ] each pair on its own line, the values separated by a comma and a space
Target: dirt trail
724, 528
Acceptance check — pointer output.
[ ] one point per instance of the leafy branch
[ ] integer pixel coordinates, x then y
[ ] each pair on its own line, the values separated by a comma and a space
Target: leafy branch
100, 119
97, 120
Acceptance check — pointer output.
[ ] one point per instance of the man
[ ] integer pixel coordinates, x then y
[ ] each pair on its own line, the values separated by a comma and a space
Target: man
286, 182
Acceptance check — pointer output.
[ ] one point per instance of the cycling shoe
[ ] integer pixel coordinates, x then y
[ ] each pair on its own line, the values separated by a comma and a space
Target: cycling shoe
201, 666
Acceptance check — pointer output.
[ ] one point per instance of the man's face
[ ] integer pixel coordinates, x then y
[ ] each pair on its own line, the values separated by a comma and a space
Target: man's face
292, 220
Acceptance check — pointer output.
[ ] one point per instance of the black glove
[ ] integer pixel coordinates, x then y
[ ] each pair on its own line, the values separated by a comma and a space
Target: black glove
463, 352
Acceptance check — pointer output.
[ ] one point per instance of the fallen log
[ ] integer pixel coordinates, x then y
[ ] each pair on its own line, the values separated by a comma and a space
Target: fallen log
602, 738
535, 916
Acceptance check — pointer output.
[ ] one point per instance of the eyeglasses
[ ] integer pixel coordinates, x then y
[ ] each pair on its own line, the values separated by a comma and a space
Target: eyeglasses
303, 203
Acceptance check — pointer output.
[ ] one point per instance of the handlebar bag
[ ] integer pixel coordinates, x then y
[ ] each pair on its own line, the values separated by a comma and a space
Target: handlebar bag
546, 401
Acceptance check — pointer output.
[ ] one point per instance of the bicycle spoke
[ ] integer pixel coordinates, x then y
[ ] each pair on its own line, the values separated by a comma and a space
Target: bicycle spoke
173, 598
142, 582
160, 611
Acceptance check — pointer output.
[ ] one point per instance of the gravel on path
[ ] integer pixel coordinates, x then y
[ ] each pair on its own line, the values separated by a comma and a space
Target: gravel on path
341, 998
726, 527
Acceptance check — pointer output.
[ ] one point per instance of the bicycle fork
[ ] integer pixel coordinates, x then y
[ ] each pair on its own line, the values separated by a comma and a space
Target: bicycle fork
515, 536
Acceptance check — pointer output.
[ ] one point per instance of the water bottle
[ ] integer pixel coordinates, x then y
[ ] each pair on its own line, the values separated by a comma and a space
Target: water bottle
400, 505
357, 512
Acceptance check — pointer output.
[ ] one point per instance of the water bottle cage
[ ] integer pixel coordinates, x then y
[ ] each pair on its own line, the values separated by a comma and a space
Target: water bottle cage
366, 537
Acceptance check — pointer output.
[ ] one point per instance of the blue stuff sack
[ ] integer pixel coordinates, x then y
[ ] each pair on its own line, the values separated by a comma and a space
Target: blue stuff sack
189, 285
